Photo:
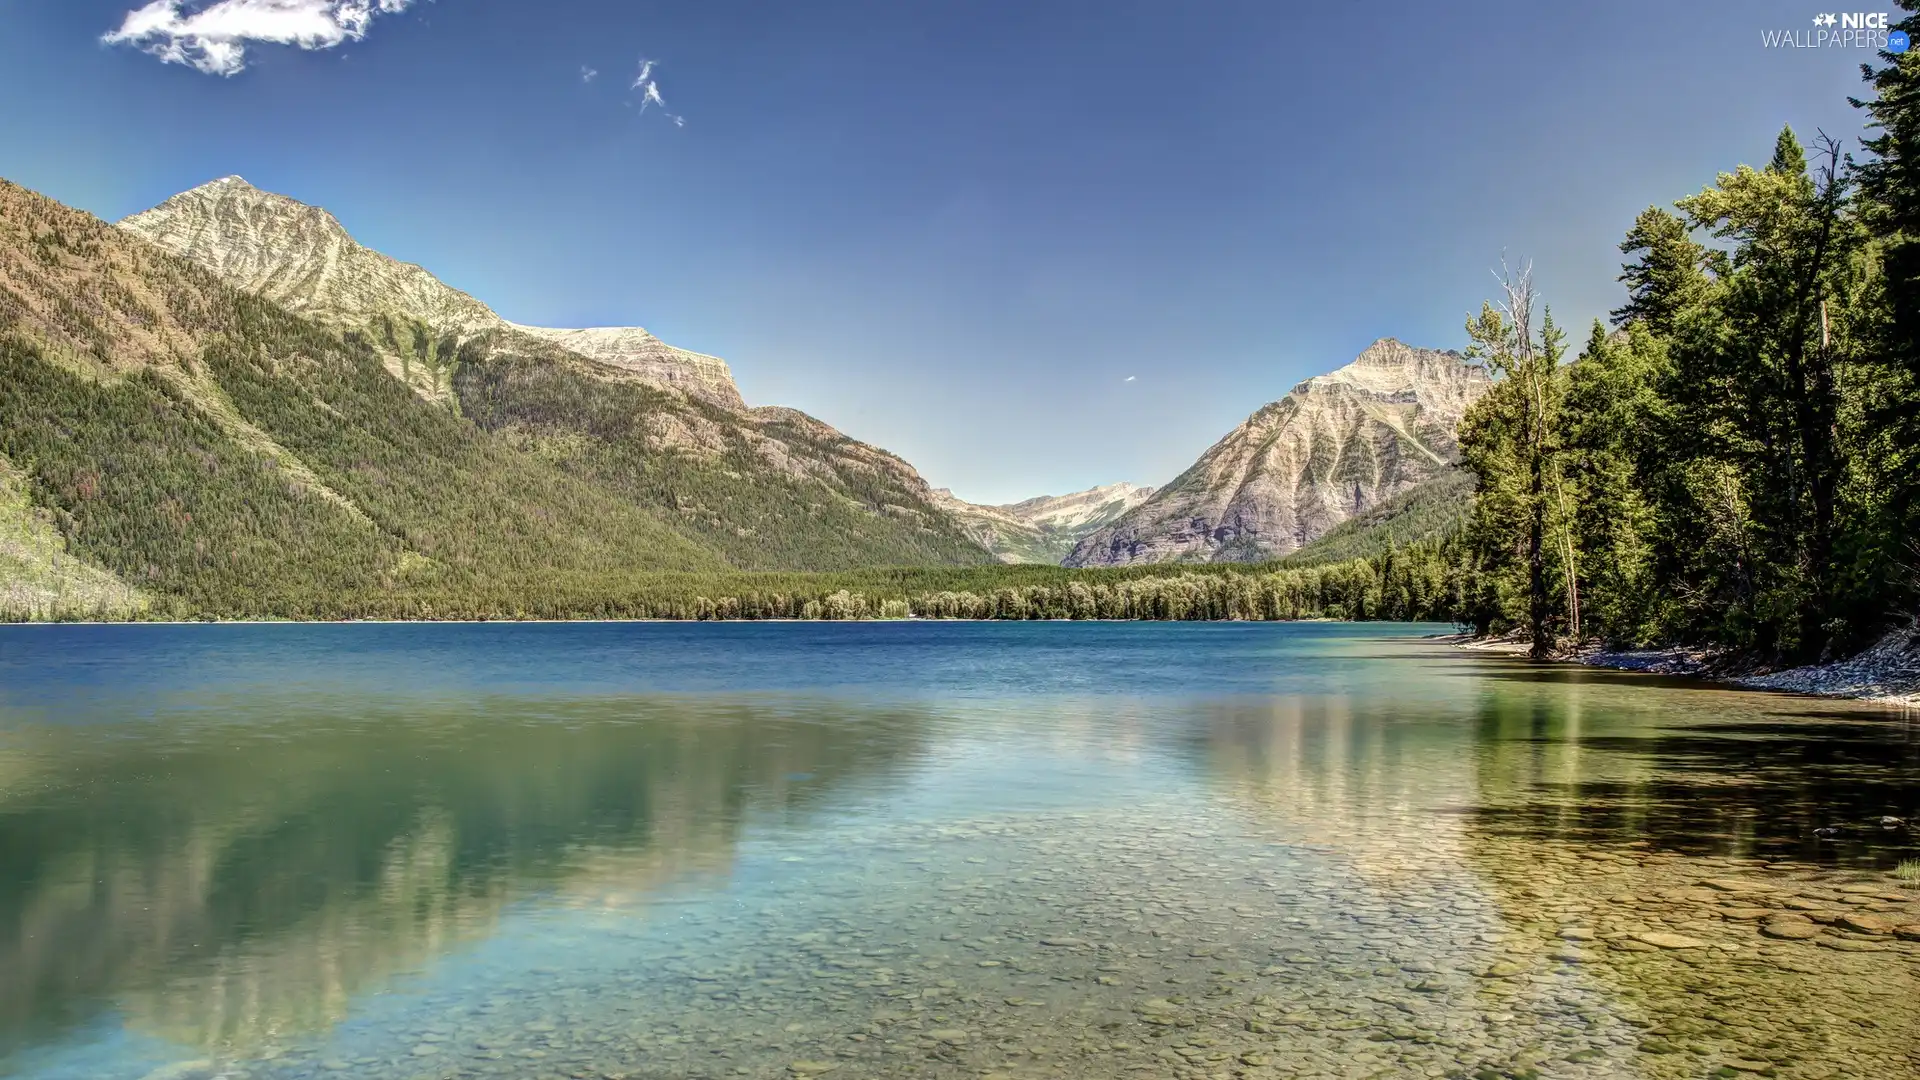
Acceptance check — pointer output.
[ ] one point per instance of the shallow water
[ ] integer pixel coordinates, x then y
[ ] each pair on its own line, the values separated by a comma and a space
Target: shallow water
934, 850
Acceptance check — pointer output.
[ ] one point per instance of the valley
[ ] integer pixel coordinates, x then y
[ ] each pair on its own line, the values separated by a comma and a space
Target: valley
227, 407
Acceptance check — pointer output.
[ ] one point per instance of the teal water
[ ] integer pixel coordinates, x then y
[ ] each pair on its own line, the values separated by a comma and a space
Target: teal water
940, 850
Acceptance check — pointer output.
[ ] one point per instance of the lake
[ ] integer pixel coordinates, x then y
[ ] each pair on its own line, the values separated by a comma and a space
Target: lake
968, 850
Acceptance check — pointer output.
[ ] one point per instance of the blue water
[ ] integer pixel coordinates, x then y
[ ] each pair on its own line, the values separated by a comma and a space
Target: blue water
841, 850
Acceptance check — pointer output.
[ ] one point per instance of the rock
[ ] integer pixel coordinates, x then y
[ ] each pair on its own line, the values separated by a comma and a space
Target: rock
1578, 933
1909, 932
1662, 940
1790, 929
1764, 1068
948, 1035
1865, 923
1063, 942
1503, 969
1743, 914
812, 1068
1853, 944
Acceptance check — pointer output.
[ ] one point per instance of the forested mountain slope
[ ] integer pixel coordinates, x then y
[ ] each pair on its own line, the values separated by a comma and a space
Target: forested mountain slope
205, 444
768, 488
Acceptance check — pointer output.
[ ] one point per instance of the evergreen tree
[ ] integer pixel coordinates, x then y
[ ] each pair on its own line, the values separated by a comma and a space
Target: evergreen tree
1760, 389
1613, 464
1890, 384
1668, 274
1511, 440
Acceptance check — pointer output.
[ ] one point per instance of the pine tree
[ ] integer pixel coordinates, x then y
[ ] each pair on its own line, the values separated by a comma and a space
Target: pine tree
1511, 440
1890, 406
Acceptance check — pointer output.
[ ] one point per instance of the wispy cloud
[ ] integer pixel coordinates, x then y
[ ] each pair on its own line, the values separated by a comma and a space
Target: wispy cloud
649, 88
588, 74
1127, 379
213, 35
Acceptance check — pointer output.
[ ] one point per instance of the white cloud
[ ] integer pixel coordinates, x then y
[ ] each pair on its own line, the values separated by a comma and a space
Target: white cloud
1127, 379
213, 36
649, 89
587, 74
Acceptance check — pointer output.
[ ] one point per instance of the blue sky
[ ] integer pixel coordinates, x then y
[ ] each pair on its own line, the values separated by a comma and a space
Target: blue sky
954, 229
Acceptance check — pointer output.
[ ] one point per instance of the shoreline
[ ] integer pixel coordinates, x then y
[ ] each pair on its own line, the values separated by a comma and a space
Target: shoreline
551, 622
1887, 673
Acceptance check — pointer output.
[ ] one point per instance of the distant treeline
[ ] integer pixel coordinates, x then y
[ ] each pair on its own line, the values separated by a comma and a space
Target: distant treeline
1406, 584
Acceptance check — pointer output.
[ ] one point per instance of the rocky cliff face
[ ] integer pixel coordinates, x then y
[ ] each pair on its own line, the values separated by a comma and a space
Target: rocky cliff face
633, 349
1043, 529
1335, 446
302, 258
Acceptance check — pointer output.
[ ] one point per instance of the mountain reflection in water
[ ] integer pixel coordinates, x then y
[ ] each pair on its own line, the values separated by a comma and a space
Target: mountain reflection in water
250, 875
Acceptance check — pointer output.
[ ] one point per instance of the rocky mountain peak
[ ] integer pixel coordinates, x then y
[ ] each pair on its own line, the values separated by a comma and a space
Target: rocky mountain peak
303, 258
1390, 367
232, 195
1335, 446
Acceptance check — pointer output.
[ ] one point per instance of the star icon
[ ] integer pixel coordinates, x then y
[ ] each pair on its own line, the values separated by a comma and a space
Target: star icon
1824, 20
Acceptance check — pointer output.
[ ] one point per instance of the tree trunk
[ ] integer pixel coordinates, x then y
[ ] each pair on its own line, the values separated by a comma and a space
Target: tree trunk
1537, 558
1810, 381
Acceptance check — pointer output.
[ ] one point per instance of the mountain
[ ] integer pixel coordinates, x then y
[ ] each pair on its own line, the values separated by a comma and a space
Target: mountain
173, 443
1430, 510
302, 258
635, 350
1043, 529
766, 488
204, 446
1336, 446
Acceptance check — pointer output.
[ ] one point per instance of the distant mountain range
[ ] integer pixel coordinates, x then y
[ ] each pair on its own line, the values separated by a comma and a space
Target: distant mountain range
228, 399
1042, 530
1335, 447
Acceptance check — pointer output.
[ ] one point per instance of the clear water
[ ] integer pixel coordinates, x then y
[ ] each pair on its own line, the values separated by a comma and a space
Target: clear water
934, 850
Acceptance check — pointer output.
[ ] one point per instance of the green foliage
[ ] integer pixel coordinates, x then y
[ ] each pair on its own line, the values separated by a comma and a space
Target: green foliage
1736, 465
299, 477
773, 493
1513, 439
1883, 555
39, 578
1613, 417
1428, 513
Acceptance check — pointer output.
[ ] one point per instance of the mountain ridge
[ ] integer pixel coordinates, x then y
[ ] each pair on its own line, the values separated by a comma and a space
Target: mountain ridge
304, 258
614, 405
1332, 447
1043, 529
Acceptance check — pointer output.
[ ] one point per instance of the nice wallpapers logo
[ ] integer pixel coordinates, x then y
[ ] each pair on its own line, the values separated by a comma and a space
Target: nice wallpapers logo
1845, 30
